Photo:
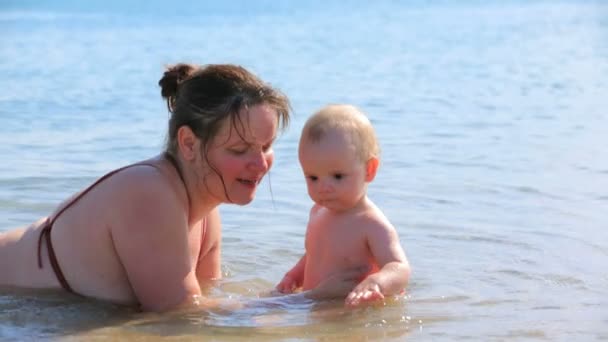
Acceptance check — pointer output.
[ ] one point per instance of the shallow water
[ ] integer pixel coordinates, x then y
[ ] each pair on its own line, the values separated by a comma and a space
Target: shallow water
492, 121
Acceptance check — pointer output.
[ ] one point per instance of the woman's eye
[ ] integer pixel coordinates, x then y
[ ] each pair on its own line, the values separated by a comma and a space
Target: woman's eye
238, 152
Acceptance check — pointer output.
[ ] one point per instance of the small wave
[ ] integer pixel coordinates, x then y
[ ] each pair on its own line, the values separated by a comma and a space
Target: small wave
42, 16
598, 248
484, 239
562, 280
442, 299
547, 307
495, 302
528, 190
534, 334
517, 274
28, 182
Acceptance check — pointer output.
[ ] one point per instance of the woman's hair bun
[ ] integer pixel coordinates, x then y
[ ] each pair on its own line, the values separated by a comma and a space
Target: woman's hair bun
173, 76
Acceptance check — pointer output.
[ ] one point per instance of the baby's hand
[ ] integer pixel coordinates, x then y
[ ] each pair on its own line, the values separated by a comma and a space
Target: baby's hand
287, 284
367, 291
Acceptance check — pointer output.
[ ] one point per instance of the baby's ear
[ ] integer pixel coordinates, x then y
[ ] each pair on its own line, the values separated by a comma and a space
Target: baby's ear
371, 169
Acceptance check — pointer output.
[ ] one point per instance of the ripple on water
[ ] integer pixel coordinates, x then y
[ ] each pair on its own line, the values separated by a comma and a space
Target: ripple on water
532, 333
279, 321
57, 315
53, 314
441, 299
552, 235
562, 280
468, 237
495, 302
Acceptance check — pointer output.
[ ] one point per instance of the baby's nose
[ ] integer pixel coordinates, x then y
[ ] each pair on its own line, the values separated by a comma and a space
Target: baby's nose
326, 186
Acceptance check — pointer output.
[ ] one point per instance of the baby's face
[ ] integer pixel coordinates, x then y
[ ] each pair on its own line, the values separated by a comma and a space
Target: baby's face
335, 175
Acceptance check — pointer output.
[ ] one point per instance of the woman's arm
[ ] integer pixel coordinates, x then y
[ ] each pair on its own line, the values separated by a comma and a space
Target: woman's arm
293, 278
150, 235
209, 266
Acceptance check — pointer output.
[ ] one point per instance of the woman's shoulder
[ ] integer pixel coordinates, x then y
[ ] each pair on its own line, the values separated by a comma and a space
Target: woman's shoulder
146, 195
140, 178
149, 182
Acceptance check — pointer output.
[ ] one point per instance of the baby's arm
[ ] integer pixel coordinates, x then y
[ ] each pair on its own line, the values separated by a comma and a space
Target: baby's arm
293, 278
394, 271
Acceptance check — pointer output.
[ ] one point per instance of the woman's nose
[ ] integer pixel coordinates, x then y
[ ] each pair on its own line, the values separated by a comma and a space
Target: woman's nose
259, 162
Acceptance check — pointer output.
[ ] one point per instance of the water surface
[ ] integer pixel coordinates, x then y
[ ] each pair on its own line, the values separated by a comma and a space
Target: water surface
491, 117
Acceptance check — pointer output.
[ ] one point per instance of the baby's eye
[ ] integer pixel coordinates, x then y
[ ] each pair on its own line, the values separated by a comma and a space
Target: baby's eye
313, 178
338, 176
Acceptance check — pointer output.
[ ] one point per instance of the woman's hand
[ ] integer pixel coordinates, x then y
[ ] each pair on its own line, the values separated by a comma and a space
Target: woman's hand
287, 285
339, 284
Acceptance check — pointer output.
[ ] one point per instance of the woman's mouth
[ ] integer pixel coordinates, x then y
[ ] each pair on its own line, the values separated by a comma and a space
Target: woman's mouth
249, 182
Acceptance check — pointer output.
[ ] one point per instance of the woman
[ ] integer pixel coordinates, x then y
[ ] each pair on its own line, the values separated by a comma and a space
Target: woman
149, 234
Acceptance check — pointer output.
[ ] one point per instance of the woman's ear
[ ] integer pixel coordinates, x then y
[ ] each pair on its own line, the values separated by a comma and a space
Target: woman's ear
371, 169
187, 143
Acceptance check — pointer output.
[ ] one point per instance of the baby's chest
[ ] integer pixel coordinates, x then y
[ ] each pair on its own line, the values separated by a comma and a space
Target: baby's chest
341, 246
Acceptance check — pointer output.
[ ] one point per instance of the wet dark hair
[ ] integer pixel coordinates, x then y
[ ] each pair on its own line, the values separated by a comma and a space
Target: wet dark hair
202, 97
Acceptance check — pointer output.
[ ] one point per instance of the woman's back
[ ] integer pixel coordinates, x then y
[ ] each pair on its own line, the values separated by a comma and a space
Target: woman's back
82, 235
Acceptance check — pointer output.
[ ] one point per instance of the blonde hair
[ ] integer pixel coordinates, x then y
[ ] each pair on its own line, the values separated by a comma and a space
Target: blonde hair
347, 119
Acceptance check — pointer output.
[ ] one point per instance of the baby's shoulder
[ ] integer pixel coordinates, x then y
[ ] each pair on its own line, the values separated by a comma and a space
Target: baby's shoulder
374, 220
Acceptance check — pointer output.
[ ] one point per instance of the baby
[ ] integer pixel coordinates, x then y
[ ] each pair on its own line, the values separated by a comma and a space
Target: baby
339, 155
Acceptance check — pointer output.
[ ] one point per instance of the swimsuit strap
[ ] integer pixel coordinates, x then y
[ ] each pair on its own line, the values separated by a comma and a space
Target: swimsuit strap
46, 232
48, 224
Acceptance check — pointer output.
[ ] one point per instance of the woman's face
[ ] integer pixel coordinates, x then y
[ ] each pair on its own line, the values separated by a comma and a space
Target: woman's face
242, 154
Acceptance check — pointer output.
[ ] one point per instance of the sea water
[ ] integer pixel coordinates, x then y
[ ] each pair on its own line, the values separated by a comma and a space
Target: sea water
492, 119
